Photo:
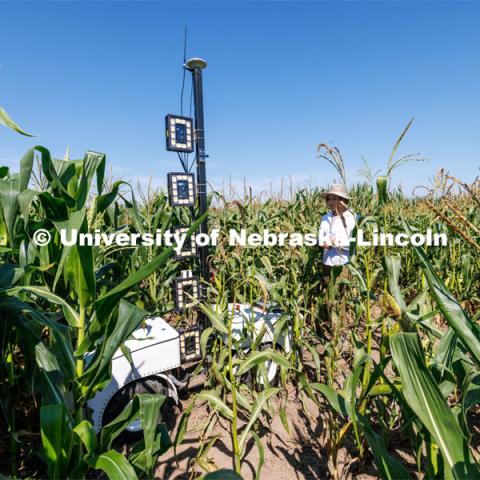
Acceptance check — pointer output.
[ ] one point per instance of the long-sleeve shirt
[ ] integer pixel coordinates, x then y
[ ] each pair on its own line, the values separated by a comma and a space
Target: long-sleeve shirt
333, 230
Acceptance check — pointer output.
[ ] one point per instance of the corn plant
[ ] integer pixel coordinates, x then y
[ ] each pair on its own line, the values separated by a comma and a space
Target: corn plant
61, 296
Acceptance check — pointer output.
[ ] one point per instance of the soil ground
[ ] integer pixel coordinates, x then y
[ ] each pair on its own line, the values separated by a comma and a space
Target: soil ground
298, 455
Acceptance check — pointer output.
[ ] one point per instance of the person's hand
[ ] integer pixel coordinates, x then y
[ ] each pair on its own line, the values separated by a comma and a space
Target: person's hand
327, 244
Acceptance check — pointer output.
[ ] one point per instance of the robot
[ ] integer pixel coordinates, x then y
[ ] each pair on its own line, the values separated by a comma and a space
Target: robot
158, 351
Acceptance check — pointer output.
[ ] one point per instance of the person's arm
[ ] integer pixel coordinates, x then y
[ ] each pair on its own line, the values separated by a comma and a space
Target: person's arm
343, 230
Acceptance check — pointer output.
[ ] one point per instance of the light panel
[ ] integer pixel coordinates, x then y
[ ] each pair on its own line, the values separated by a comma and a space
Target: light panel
189, 249
190, 345
181, 189
186, 291
179, 133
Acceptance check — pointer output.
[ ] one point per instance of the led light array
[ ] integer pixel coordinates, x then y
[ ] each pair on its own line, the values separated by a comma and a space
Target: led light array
186, 291
181, 189
190, 345
179, 133
189, 249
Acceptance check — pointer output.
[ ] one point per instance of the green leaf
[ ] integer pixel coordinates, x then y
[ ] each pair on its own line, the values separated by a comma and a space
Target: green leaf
51, 374
216, 319
216, 403
4, 172
389, 467
70, 314
50, 172
80, 271
204, 339
360, 359
382, 189
257, 357
74, 222
115, 465
149, 410
25, 200
337, 401
14, 309
10, 274
426, 400
52, 419
113, 429
8, 122
128, 318
471, 388
162, 442
284, 419
105, 200
261, 455
256, 410
446, 351
87, 435
106, 304
456, 317
392, 267
10, 189
279, 328
182, 427
91, 163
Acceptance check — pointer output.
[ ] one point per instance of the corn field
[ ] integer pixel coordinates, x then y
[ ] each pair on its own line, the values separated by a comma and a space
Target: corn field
394, 365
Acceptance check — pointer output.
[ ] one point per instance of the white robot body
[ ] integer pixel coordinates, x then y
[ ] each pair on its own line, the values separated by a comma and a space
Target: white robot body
156, 350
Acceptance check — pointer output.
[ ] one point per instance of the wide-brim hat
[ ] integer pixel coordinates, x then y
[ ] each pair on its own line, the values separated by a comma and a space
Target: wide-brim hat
337, 189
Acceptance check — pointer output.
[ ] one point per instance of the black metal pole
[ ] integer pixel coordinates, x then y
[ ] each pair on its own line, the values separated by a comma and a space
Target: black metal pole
196, 65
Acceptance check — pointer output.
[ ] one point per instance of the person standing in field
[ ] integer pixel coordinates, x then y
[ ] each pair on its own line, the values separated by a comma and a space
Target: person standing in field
336, 228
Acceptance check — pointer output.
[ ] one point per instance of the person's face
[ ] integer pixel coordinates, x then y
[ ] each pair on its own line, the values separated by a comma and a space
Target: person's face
333, 202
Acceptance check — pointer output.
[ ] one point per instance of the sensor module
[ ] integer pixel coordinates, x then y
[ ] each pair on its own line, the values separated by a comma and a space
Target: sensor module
181, 189
179, 133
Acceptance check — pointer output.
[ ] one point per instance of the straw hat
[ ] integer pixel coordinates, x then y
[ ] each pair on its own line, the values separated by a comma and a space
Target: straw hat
337, 189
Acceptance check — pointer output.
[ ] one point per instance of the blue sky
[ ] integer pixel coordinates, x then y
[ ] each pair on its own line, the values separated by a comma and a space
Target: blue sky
282, 77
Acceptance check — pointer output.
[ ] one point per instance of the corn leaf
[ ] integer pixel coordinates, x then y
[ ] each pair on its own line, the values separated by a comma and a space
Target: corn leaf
10, 189
456, 317
113, 429
216, 403
128, 318
426, 400
149, 410
261, 455
115, 465
10, 274
215, 319
256, 411
87, 435
389, 468
257, 357
52, 425
74, 222
70, 314
106, 304
6, 120
182, 427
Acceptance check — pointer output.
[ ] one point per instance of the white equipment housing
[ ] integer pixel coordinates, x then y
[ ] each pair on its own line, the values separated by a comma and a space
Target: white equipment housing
155, 351
246, 317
